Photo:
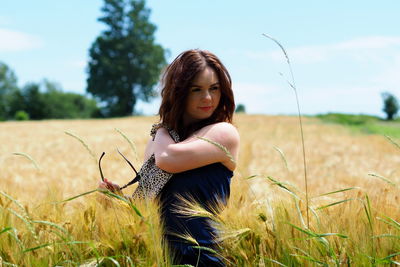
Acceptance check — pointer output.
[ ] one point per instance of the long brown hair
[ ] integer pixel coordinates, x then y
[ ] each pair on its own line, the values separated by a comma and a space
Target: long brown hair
176, 81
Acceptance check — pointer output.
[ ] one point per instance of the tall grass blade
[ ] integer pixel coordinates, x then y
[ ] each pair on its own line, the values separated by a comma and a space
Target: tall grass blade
235, 234
133, 207
390, 222
38, 247
332, 234
27, 157
276, 262
6, 229
26, 219
282, 156
84, 144
106, 192
205, 248
386, 235
316, 235
337, 191
5, 263
382, 178
132, 145
391, 256
13, 200
78, 196
309, 258
392, 141
368, 212
316, 216
19, 216
224, 149
305, 231
54, 243
296, 203
283, 186
53, 225
335, 203
293, 85
14, 234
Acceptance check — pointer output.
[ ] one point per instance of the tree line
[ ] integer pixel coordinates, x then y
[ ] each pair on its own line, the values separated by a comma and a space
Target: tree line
41, 100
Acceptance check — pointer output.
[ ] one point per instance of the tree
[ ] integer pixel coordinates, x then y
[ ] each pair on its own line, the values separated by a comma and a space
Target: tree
8, 87
240, 108
390, 105
46, 100
64, 105
125, 61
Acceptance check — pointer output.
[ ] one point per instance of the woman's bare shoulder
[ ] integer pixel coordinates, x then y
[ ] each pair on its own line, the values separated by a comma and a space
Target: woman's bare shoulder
220, 128
222, 132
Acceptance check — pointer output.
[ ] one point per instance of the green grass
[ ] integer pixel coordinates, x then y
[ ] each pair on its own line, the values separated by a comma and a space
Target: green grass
364, 124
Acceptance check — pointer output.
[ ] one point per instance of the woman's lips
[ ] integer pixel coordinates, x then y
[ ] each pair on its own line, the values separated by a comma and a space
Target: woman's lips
205, 108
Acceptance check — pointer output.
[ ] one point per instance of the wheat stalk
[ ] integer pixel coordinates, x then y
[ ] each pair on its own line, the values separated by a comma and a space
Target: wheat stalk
293, 85
224, 149
29, 158
132, 145
84, 144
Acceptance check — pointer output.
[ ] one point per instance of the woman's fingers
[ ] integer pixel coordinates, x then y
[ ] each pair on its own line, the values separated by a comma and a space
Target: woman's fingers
102, 185
106, 184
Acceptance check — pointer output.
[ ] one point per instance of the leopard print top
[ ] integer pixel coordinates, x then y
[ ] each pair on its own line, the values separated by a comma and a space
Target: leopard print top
152, 179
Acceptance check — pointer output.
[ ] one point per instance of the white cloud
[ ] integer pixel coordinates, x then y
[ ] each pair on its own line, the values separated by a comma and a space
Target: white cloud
260, 98
363, 48
13, 41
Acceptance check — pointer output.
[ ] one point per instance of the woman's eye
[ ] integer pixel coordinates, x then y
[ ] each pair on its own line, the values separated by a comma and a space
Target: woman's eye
214, 88
195, 89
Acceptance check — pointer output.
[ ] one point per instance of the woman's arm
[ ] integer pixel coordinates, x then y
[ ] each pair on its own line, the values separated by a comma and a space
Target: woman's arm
194, 152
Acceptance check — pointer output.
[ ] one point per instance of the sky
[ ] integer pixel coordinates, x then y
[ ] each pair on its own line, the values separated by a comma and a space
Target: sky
343, 54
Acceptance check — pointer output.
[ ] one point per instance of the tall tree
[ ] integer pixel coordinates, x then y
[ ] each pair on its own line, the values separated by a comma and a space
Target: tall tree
390, 105
125, 61
8, 87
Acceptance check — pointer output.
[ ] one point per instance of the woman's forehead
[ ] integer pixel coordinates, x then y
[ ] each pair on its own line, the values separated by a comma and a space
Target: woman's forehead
206, 76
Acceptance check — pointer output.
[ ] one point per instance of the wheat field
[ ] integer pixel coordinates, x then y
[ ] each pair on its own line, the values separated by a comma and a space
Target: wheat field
353, 196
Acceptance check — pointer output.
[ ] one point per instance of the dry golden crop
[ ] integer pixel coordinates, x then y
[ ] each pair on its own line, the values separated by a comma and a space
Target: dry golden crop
265, 223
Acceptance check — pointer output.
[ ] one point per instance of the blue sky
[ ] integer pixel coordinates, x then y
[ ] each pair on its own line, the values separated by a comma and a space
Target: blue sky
343, 53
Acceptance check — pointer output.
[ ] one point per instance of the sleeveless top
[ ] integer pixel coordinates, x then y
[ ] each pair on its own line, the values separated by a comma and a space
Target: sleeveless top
151, 178
207, 186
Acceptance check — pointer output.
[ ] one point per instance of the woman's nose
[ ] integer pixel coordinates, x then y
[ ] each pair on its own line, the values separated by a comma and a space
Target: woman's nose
207, 95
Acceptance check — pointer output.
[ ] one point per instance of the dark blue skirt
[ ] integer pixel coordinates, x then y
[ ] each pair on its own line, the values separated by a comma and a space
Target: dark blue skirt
209, 186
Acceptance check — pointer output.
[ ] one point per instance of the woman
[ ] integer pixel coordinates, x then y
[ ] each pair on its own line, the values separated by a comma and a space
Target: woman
197, 107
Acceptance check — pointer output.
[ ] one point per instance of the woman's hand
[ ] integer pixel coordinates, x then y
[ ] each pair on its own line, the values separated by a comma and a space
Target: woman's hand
106, 184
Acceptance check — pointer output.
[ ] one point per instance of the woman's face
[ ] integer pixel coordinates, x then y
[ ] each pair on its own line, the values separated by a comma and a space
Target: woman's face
203, 98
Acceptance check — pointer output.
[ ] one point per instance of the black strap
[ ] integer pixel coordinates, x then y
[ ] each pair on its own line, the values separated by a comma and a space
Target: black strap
134, 180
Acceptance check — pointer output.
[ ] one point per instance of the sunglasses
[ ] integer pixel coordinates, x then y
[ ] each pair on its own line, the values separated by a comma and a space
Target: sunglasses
134, 180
